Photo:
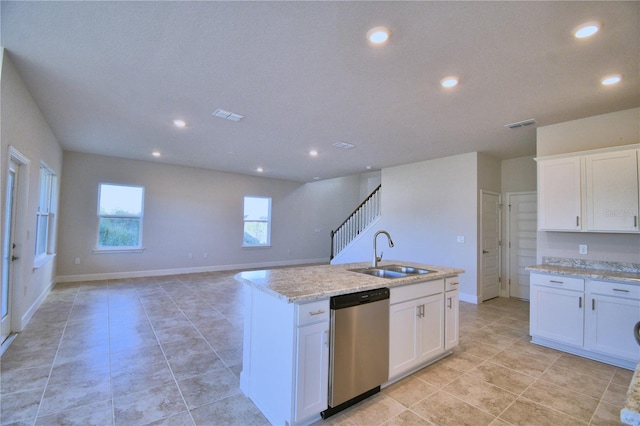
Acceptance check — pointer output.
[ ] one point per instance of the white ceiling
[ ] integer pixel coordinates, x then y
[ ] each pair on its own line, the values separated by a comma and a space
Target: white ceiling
110, 77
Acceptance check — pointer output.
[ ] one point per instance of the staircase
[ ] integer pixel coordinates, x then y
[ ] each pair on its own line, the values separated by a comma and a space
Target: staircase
367, 212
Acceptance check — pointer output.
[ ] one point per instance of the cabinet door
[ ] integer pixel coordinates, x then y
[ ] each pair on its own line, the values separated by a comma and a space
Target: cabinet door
451, 319
559, 194
403, 330
557, 314
612, 191
312, 370
609, 326
430, 339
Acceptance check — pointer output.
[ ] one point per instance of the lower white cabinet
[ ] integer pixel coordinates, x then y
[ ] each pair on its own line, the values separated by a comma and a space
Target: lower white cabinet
594, 319
612, 311
416, 326
557, 308
312, 370
452, 313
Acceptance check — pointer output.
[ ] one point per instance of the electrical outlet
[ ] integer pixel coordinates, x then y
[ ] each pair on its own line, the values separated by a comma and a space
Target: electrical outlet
582, 249
77, 261
190, 256
205, 255
461, 238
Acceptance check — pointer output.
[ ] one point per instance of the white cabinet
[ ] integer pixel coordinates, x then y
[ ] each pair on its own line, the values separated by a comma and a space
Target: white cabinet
312, 370
416, 326
452, 313
612, 191
557, 308
612, 311
594, 320
559, 194
591, 191
285, 357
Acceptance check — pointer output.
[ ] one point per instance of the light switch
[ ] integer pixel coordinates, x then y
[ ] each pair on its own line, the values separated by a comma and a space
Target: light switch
461, 238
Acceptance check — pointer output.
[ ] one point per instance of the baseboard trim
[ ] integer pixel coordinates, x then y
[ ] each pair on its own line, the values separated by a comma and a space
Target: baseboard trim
464, 297
24, 320
182, 271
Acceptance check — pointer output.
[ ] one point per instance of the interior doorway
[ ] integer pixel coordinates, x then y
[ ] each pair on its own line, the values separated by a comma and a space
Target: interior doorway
12, 224
489, 244
522, 237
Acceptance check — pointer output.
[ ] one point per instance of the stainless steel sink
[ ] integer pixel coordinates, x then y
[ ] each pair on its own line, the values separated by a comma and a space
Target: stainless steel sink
392, 271
378, 272
408, 270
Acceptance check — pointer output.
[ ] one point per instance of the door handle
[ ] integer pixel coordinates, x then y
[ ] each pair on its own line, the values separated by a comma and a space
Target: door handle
14, 258
485, 251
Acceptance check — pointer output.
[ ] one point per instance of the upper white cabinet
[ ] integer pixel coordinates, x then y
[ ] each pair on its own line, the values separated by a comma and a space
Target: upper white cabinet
590, 191
612, 191
559, 194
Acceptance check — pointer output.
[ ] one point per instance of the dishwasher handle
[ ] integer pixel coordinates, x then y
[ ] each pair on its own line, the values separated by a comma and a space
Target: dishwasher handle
359, 298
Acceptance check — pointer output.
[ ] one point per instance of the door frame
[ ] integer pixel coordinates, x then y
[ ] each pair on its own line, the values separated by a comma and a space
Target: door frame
16, 284
479, 249
507, 254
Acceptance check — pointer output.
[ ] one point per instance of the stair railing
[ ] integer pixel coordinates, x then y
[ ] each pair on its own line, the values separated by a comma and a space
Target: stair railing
362, 216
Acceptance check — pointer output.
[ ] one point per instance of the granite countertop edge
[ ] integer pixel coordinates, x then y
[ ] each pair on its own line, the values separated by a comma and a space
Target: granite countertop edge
312, 283
598, 274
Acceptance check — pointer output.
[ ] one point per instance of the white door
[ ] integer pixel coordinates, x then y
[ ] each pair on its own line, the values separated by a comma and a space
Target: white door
490, 244
8, 246
523, 213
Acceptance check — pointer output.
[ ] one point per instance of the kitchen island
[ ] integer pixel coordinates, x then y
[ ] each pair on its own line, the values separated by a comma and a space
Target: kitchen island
287, 325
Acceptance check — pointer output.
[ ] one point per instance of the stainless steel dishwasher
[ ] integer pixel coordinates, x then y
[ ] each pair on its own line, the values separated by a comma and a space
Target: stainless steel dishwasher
359, 350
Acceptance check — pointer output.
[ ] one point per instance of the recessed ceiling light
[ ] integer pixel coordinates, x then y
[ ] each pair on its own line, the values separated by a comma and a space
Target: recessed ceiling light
612, 79
586, 30
179, 123
313, 153
259, 170
343, 145
156, 153
378, 35
316, 178
449, 81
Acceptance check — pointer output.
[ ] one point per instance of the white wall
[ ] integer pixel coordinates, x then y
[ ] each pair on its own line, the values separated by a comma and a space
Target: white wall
425, 206
607, 130
24, 128
197, 211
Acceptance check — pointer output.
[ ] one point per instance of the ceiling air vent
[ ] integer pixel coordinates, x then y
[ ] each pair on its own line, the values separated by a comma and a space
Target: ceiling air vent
220, 113
343, 145
520, 123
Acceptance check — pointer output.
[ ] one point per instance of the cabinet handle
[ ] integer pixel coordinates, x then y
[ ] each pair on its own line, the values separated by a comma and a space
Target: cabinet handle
621, 290
556, 282
580, 302
449, 302
577, 220
318, 312
454, 283
326, 337
593, 304
635, 221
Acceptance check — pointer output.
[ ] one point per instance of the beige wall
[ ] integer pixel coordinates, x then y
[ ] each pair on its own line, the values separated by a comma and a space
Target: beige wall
602, 131
24, 128
195, 211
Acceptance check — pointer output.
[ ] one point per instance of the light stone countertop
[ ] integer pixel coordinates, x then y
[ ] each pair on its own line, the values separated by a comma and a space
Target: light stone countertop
595, 274
630, 414
310, 283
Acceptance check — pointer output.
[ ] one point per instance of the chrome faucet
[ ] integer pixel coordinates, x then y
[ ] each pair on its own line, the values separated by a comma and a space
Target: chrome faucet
377, 259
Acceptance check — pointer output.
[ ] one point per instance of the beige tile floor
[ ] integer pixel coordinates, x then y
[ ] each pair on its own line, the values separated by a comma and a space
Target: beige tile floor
168, 350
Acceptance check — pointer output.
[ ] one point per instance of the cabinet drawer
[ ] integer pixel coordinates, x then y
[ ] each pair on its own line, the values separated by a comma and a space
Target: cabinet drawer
313, 312
558, 281
451, 284
628, 291
414, 291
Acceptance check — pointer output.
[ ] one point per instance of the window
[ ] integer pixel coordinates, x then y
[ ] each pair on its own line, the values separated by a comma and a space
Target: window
44, 216
120, 210
257, 221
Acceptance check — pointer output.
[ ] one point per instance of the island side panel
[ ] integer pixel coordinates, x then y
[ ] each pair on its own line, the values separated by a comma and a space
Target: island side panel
268, 354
